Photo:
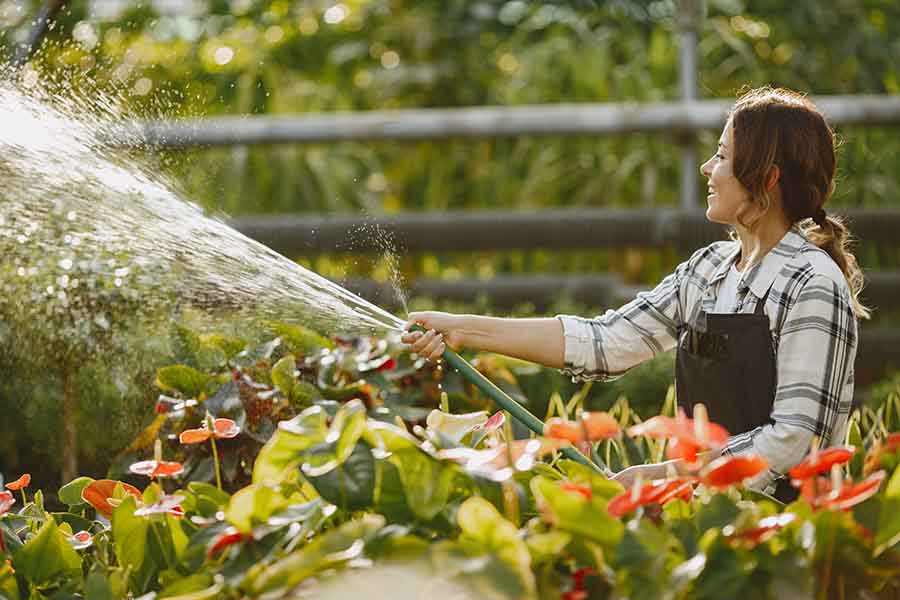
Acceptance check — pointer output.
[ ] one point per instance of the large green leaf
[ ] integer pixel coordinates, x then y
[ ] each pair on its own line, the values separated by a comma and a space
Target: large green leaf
286, 448
254, 504
182, 379
47, 555
329, 550
572, 512
299, 339
351, 484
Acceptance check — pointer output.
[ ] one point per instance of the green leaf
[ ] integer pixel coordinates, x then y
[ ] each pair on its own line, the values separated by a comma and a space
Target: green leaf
182, 379
571, 512
299, 339
195, 587
97, 587
230, 346
70, 493
892, 490
209, 491
719, 512
427, 482
351, 485
854, 438
283, 374
47, 555
9, 589
485, 530
254, 504
547, 547
134, 545
888, 532
329, 550
601, 487
285, 449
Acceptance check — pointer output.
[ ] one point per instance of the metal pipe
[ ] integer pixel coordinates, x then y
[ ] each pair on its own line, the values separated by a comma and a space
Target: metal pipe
41, 24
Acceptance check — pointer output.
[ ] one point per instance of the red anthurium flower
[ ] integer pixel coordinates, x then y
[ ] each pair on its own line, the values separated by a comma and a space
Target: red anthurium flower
686, 436
592, 426
814, 488
850, 494
729, 470
166, 504
387, 365
222, 428
19, 484
227, 538
821, 462
578, 489
6, 502
80, 540
658, 491
98, 494
157, 468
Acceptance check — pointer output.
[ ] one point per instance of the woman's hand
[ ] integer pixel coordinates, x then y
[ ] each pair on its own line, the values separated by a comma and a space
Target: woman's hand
442, 330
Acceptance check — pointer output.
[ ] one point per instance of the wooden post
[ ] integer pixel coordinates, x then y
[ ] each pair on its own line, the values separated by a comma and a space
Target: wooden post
688, 19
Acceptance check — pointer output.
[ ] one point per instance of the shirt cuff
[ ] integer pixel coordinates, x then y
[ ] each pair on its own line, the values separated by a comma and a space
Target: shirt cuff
578, 343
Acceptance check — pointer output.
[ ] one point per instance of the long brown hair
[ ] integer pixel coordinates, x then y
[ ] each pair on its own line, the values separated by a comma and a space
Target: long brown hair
785, 129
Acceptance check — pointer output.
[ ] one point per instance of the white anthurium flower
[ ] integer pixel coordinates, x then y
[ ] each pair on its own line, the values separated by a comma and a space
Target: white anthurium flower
455, 427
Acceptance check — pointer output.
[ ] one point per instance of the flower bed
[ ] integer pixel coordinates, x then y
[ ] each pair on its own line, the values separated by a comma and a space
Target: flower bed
309, 468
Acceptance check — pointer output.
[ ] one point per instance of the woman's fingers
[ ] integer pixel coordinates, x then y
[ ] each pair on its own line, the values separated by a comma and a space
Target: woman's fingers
432, 346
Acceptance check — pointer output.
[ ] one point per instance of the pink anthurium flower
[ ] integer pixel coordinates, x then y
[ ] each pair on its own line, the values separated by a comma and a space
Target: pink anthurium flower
764, 530
165, 505
497, 420
6, 502
222, 429
81, 540
157, 468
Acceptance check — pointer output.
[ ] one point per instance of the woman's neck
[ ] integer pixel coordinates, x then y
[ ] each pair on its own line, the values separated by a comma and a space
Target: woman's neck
757, 243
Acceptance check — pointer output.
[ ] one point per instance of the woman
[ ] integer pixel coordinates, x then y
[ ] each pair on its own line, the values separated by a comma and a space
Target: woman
765, 325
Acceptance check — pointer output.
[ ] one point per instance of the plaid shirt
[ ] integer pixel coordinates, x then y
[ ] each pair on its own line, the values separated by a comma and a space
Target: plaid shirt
814, 332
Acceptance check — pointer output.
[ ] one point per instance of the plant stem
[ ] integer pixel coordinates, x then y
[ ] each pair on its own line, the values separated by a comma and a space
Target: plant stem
212, 441
24, 501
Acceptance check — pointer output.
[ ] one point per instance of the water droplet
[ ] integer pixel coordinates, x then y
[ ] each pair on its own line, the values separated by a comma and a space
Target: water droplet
21, 271
49, 290
71, 215
66, 263
118, 282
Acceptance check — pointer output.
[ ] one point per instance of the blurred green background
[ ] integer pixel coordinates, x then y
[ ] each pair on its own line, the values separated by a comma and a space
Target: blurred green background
183, 58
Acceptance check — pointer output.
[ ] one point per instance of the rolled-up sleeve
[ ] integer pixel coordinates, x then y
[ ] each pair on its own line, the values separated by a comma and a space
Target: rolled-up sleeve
816, 351
607, 346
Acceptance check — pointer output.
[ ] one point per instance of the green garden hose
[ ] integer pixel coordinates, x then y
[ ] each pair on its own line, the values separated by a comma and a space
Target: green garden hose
501, 399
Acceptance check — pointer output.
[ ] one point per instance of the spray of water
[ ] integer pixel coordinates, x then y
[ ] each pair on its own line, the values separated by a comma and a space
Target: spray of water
83, 227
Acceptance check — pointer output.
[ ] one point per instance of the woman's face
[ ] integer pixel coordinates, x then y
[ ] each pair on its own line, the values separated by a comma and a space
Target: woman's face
726, 194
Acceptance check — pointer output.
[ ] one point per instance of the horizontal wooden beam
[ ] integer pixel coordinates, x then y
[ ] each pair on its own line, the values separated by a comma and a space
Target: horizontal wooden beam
613, 118
295, 235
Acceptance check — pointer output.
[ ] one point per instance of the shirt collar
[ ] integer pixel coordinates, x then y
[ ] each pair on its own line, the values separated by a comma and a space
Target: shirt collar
760, 276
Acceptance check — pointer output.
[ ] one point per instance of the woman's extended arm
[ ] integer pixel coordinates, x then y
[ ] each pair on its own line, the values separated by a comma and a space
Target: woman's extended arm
536, 340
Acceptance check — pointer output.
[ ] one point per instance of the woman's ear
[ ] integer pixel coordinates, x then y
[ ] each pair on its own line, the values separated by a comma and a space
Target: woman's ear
772, 177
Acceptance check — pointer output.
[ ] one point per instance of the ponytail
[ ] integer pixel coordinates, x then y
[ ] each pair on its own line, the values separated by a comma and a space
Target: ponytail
834, 237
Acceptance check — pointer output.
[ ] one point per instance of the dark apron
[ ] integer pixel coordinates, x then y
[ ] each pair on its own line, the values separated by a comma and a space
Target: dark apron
730, 368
